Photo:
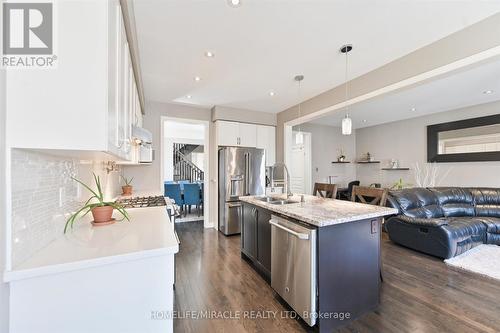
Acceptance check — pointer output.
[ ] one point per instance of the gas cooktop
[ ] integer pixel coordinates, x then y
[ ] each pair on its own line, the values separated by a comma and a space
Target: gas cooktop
139, 202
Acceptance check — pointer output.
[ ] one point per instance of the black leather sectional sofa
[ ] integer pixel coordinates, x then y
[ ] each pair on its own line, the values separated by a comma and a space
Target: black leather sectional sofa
445, 221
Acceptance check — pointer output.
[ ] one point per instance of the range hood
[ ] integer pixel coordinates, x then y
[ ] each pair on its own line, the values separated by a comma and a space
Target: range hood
144, 140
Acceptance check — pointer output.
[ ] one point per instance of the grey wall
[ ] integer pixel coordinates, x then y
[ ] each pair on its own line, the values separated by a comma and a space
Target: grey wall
4, 292
407, 141
326, 141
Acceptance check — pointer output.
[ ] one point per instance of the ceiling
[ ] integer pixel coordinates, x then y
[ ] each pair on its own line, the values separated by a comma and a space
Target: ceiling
260, 46
462, 89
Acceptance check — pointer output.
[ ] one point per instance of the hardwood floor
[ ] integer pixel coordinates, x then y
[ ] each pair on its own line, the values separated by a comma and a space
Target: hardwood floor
419, 294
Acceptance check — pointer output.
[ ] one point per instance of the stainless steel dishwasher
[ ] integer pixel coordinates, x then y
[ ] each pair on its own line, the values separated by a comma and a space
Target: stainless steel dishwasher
293, 266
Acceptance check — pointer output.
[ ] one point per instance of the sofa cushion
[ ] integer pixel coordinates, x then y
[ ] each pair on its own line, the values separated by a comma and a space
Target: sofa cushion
424, 222
455, 201
466, 232
437, 237
492, 223
417, 202
487, 201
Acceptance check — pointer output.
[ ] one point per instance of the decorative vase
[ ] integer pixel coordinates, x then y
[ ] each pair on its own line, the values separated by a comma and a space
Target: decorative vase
127, 190
341, 158
102, 214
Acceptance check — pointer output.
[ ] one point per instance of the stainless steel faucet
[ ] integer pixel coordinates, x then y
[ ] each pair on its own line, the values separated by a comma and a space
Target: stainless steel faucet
287, 189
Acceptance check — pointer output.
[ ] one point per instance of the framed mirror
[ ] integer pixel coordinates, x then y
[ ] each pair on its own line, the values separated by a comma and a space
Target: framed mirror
469, 140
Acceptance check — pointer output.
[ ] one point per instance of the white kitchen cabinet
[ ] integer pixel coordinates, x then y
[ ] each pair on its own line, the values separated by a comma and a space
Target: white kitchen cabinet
227, 133
248, 135
230, 133
266, 139
82, 103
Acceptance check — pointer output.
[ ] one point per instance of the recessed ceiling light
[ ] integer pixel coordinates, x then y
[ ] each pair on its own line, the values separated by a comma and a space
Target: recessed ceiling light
209, 54
189, 96
234, 3
414, 109
197, 78
487, 92
271, 93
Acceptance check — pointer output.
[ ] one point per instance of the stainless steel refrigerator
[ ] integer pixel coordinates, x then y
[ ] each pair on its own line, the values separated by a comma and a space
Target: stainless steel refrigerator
241, 172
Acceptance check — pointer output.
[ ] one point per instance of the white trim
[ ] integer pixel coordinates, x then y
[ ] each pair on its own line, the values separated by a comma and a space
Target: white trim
206, 162
307, 161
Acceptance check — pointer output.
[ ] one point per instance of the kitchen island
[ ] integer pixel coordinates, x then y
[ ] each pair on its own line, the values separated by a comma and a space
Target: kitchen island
119, 274
344, 242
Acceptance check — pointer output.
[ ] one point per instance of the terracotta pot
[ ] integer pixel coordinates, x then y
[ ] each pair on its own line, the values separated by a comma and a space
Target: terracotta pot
102, 214
127, 190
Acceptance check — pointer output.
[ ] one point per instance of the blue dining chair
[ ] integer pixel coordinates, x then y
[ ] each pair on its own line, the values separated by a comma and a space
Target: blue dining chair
182, 183
192, 196
202, 193
169, 182
173, 191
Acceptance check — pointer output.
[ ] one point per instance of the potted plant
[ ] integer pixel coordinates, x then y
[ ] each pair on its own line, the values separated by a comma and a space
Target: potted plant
127, 188
101, 210
400, 184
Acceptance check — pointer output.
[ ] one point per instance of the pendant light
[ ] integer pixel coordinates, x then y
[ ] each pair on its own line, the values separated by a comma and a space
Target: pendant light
299, 137
347, 121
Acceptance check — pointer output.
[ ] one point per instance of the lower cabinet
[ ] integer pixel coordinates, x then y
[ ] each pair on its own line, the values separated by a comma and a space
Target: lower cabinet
256, 237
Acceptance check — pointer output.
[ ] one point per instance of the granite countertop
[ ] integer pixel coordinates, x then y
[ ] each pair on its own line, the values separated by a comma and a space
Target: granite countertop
322, 212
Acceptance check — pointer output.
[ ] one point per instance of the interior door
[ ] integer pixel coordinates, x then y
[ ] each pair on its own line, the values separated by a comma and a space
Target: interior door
297, 169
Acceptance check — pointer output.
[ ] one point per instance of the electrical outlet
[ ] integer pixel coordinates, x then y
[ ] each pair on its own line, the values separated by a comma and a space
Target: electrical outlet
61, 196
374, 226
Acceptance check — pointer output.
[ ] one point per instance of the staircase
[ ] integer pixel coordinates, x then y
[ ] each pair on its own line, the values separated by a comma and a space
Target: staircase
184, 169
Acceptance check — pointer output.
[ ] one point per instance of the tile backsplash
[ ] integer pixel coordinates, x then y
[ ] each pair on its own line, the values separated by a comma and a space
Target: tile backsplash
43, 194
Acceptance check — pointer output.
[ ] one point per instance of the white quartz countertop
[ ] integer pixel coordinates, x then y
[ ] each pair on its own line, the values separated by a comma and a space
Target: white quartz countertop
148, 233
322, 212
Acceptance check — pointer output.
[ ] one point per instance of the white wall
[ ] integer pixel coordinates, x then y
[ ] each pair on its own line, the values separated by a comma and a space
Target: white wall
407, 141
148, 177
326, 144
4, 291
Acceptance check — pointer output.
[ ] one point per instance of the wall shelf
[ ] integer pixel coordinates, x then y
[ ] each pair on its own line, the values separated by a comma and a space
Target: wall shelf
390, 169
338, 162
367, 162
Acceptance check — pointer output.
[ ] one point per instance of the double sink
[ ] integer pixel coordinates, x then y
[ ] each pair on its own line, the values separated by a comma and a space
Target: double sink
275, 201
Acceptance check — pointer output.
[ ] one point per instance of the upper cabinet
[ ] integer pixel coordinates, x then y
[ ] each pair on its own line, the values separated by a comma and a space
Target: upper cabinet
248, 135
89, 101
227, 133
230, 133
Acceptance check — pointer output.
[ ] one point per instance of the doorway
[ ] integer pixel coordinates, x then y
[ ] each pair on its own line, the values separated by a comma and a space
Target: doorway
300, 164
185, 166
